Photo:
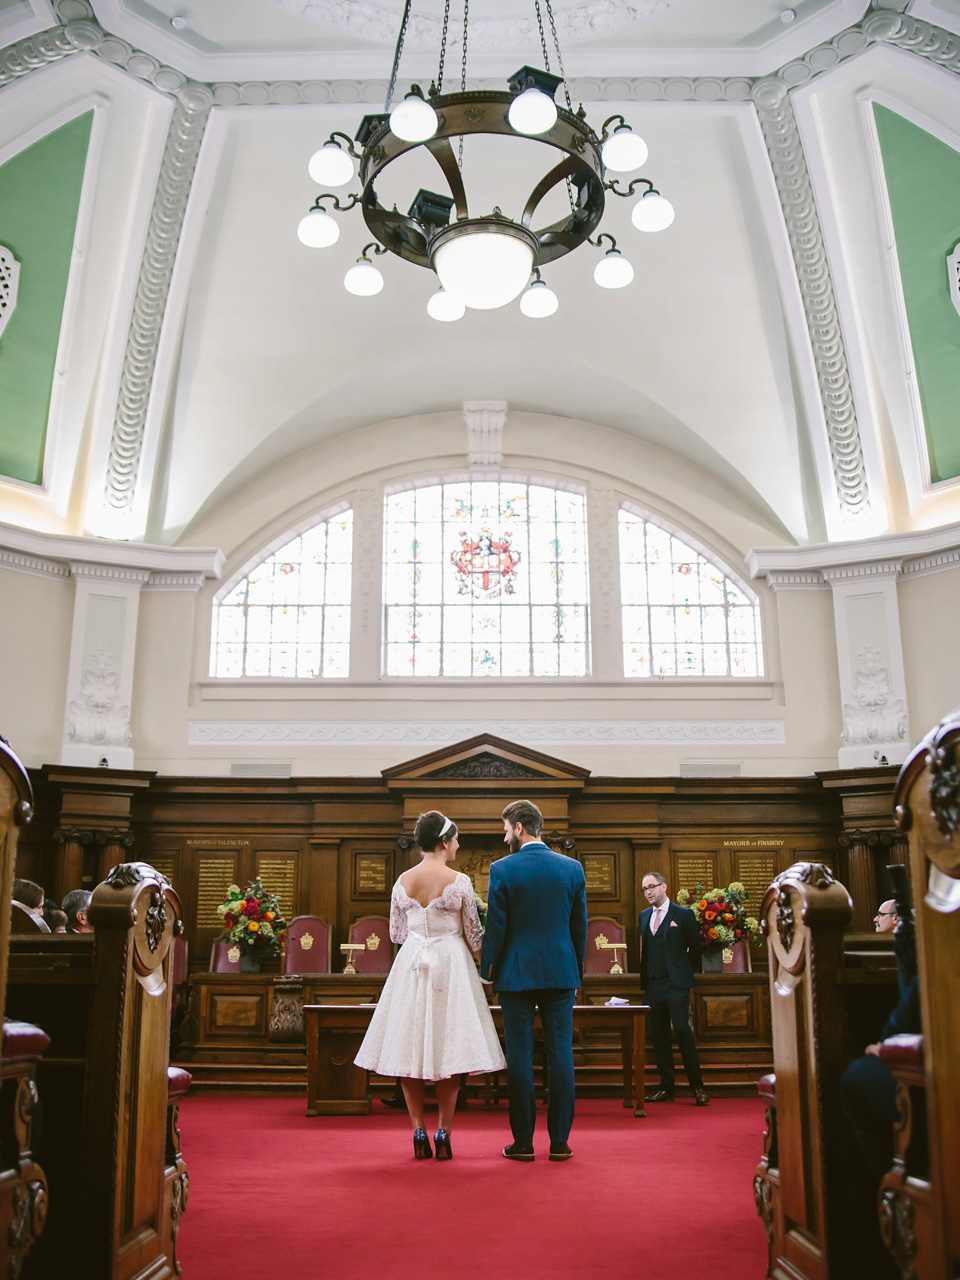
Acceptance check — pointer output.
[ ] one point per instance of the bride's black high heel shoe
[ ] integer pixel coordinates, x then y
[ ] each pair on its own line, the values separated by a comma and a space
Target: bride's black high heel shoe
441, 1140
421, 1145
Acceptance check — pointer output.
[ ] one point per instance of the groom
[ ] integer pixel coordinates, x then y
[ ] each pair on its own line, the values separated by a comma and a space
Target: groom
533, 953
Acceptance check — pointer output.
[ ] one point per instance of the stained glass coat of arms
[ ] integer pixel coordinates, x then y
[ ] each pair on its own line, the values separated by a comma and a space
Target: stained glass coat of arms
485, 578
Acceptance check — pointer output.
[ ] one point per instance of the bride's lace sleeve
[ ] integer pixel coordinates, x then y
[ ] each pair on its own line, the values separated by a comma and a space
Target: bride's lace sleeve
471, 921
398, 917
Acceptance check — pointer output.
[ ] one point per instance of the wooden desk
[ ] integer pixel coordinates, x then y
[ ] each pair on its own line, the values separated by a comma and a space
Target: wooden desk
336, 1087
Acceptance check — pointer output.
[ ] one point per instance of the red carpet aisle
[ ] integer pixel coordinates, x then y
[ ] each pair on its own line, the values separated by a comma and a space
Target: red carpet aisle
275, 1196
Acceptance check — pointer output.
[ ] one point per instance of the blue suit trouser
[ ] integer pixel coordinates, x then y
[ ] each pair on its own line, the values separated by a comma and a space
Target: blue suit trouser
556, 1018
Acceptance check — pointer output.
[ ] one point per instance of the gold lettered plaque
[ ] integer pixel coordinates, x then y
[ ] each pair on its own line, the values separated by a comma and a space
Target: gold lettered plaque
214, 874
371, 875
600, 870
694, 869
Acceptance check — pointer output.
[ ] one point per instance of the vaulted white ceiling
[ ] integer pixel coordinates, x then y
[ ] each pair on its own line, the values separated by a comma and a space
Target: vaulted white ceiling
709, 355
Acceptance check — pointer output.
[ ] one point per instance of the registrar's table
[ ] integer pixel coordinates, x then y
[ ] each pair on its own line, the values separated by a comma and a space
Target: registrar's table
336, 1087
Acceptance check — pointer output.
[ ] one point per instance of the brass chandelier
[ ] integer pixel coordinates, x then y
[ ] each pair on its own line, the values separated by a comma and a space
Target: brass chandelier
485, 261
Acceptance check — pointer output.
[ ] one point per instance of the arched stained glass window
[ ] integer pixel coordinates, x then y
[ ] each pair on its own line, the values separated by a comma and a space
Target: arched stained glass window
682, 614
290, 616
485, 578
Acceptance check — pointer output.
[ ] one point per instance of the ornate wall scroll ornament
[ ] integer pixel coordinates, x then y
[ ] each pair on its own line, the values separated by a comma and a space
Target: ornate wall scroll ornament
486, 765
156, 920
953, 277
34, 52
555, 840
9, 285
875, 714
945, 788
97, 715
784, 919
485, 420
125, 875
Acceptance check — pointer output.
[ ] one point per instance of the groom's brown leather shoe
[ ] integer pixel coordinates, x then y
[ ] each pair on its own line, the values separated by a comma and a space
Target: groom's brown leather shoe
560, 1151
517, 1151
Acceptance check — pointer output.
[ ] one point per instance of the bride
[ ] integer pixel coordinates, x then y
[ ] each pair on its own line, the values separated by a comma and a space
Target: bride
432, 1021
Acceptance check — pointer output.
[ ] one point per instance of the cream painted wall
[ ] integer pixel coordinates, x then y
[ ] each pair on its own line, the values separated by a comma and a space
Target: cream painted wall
34, 652
930, 625
162, 682
811, 681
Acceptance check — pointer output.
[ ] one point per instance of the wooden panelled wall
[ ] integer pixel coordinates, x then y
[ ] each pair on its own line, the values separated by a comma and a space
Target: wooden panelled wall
332, 847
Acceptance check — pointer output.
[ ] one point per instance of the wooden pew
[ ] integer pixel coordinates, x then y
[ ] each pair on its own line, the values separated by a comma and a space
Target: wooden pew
23, 1184
817, 1210
110, 1146
921, 1215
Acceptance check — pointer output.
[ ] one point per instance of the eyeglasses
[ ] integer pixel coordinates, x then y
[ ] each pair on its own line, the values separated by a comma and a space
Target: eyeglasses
649, 888
884, 913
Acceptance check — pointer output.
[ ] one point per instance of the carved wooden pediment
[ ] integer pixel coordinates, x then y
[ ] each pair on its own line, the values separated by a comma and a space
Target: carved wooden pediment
488, 761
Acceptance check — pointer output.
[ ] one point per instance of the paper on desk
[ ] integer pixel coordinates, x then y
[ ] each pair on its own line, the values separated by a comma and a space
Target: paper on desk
617, 1000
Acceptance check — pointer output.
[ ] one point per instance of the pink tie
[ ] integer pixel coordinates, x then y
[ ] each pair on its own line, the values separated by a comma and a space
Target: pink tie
656, 920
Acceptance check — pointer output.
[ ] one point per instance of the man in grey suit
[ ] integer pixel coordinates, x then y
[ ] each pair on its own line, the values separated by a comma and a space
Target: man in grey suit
533, 953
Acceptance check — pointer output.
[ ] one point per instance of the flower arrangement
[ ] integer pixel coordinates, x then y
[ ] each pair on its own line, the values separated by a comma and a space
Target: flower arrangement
251, 919
721, 914
481, 909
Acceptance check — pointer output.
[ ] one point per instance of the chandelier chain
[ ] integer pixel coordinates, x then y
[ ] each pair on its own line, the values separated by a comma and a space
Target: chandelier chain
463, 73
396, 55
443, 45
556, 45
543, 38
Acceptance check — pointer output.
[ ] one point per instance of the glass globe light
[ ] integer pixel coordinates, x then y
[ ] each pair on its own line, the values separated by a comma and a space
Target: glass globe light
317, 230
539, 301
485, 269
653, 212
532, 112
363, 279
444, 306
413, 119
613, 271
624, 150
331, 166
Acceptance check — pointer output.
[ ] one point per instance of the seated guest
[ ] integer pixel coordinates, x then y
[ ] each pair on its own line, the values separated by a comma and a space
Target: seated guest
75, 905
886, 919
55, 918
29, 895
869, 1091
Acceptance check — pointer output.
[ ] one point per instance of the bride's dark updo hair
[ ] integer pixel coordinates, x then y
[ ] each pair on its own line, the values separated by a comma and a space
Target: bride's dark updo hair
428, 828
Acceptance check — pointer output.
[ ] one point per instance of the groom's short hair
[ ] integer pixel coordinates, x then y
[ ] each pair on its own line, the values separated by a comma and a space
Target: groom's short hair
526, 814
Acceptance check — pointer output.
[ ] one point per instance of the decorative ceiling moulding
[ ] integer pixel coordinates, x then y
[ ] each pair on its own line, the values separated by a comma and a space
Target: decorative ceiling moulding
53, 555
904, 555
770, 96
260, 733
379, 23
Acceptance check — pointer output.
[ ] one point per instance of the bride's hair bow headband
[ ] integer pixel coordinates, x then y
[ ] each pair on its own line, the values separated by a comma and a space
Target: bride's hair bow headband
445, 828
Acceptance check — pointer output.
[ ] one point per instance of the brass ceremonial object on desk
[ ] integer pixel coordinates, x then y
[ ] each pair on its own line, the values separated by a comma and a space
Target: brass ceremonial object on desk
602, 944
348, 949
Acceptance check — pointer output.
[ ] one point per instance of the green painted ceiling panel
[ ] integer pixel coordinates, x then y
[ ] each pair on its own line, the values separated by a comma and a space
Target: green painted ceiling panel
39, 199
923, 184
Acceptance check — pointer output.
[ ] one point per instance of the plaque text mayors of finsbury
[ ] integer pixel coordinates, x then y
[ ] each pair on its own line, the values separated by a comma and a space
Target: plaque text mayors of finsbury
753, 844
210, 844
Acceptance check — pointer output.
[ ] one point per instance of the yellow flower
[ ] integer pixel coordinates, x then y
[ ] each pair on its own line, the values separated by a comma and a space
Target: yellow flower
253, 925
752, 924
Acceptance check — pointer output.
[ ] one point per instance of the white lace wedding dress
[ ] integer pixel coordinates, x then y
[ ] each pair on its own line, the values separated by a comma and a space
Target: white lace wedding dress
432, 1020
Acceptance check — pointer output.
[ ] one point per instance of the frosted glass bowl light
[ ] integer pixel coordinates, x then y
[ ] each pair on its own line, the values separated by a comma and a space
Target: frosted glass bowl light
413, 119
624, 150
532, 112
331, 166
485, 262
653, 212
317, 230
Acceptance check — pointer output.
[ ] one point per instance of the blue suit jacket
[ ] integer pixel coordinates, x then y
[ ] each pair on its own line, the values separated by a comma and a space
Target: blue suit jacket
682, 939
536, 935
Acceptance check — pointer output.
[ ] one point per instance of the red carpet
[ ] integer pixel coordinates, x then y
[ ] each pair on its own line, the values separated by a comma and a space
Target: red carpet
275, 1196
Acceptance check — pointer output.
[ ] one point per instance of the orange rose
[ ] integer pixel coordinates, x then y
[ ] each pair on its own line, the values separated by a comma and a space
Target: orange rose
253, 925
713, 933
702, 904
710, 915
268, 915
726, 915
